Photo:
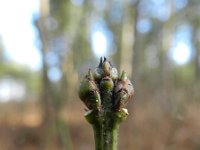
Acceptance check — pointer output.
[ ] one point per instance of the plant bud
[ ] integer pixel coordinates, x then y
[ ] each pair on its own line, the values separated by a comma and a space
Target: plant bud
106, 66
114, 73
121, 99
106, 84
98, 72
88, 92
104, 89
121, 114
93, 100
123, 76
90, 76
123, 91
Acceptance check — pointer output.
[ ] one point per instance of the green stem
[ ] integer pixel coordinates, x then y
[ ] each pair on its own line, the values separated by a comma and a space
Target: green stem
106, 126
93, 117
97, 128
110, 132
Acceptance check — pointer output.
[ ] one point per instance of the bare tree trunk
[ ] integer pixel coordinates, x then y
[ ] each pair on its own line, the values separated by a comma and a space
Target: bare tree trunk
196, 45
119, 44
136, 46
46, 93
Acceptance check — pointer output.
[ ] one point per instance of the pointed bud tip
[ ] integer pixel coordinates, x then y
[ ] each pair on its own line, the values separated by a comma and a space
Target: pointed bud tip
105, 59
123, 76
90, 75
106, 67
100, 63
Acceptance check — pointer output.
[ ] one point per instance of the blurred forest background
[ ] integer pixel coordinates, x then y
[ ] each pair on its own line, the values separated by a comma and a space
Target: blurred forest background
157, 42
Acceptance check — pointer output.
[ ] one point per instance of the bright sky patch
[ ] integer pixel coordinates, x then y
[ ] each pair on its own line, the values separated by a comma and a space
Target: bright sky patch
181, 53
17, 31
99, 43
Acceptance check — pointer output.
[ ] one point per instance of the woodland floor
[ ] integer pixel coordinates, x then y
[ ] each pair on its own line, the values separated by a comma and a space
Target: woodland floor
147, 128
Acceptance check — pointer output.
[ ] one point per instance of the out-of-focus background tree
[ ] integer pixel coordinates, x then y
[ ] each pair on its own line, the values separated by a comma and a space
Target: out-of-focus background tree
46, 46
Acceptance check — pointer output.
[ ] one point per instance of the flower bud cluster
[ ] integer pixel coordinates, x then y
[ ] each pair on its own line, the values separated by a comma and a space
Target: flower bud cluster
104, 89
